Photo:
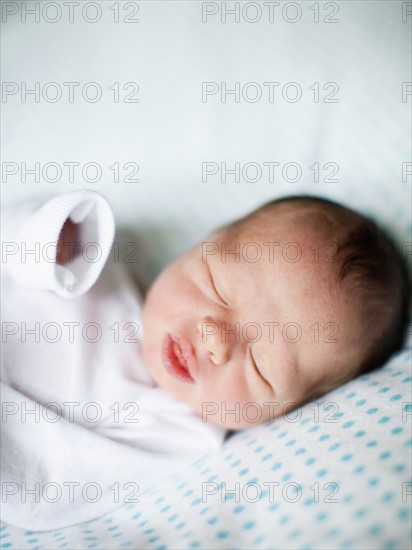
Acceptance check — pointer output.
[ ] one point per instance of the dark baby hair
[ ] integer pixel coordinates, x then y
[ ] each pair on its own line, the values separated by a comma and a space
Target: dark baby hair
373, 273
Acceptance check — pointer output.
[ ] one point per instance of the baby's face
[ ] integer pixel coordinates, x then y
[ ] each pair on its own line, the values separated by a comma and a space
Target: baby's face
242, 341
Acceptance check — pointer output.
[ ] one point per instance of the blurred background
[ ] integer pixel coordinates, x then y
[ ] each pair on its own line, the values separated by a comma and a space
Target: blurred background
189, 114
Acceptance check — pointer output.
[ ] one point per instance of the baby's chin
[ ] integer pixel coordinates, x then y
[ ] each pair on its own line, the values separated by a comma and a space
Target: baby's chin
207, 411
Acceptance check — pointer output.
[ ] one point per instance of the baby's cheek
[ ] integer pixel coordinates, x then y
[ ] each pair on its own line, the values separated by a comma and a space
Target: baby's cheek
231, 405
233, 390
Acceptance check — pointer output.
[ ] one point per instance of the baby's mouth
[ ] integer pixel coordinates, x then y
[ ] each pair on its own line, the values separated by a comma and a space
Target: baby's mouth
176, 359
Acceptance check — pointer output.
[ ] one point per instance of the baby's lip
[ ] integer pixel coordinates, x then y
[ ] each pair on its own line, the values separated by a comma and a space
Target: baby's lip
178, 358
187, 352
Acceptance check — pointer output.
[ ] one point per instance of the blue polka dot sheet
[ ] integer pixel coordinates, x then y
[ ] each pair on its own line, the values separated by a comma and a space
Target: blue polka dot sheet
335, 473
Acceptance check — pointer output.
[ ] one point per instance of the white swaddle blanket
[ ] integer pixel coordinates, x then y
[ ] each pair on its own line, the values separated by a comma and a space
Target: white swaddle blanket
84, 427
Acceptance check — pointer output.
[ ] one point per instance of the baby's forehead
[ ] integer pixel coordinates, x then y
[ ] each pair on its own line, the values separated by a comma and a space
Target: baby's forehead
288, 248
283, 223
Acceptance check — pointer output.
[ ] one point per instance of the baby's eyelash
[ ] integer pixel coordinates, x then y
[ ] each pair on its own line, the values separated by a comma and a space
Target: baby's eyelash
259, 372
215, 290
217, 294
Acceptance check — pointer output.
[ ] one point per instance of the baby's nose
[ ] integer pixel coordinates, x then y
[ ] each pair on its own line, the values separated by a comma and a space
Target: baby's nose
211, 338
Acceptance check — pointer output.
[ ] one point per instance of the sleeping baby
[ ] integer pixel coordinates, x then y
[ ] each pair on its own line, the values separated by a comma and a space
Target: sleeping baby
104, 395
279, 307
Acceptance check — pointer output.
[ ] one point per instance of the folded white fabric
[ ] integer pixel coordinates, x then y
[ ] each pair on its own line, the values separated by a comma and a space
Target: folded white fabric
32, 251
56, 473
84, 427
